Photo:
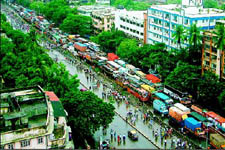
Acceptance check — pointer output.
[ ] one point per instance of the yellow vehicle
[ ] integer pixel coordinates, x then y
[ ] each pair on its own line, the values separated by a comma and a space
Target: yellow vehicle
148, 88
141, 74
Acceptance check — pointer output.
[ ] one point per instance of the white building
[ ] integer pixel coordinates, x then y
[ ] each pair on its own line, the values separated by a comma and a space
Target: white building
130, 22
105, 2
87, 10
29, 119
163, 19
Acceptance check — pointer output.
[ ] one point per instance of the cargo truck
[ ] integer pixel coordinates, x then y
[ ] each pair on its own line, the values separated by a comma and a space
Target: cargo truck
176, 115
160, 107
194, 127
217, 141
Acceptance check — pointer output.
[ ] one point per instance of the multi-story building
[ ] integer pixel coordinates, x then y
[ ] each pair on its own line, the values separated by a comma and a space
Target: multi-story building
130, 22
105, 2
212, 58
29, 119
87, 10
103, 20
163, 20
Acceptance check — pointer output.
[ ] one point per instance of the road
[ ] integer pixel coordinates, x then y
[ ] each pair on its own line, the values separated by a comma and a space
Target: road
118, 124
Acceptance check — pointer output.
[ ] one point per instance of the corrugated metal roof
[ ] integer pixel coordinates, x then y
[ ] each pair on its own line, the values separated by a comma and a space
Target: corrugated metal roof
52, 96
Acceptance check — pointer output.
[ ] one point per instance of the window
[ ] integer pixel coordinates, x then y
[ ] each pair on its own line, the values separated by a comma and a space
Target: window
142, 34
25, 143
40, 140
175, 18
167, 16
186, 21
214, 66
212, 20
10, 146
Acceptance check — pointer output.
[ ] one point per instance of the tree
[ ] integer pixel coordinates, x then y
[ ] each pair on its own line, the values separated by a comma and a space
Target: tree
179, 35
182, 77
219, 41
87, 112
210, 4
77, 24
221, 99
195, 46
127, 49
209, 89
109, 40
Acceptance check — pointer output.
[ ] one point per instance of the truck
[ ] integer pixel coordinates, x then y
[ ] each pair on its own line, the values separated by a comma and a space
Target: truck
194, 127
160, 107
217, 141
80, 46
176, 115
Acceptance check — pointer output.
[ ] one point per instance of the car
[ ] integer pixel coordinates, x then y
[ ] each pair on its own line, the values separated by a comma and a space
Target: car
132, 134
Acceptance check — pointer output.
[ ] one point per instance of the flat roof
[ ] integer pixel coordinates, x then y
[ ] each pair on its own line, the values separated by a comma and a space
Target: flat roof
189, 11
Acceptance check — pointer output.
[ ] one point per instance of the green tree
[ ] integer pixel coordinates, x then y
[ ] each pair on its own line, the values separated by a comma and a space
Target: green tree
109, 40
127, 49
219, 41
87, 112
179, 35
221, 99
210, 4
209, 88
77, 24
182, 77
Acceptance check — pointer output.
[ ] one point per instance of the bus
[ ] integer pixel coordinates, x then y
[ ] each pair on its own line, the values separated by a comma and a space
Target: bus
163, 97
183, 97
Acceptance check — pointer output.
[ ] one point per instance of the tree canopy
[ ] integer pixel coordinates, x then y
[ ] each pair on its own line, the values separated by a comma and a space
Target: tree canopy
77, 24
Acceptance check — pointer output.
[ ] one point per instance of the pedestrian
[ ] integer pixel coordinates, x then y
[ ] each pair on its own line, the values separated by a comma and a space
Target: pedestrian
118, 139
115, 134
124, 137
111, 133
165, 142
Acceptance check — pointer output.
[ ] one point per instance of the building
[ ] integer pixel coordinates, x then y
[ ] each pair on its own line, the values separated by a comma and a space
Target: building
211, 59
104, 2
103, 20
163, 19
29, 119
87, 10
130, 22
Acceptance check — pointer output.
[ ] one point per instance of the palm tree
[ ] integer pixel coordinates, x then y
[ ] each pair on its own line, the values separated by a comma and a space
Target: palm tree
219, 41
179, 35
195, 36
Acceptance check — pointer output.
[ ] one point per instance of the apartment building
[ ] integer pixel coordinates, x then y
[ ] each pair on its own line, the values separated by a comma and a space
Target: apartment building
87, 10
131, 23
163, 20
103, 20
212, 58
29, 119
104, 2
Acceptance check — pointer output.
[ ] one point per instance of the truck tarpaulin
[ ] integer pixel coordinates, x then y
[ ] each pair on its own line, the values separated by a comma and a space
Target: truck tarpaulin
80, 46
176, 113
112, 56
192, 124
152, 78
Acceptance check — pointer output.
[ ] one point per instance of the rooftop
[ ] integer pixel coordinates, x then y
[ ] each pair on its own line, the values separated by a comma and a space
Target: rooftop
136, 15
92, 8
189, 10
24, 108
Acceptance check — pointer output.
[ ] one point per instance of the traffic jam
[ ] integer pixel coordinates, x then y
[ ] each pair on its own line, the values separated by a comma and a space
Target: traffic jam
148, 88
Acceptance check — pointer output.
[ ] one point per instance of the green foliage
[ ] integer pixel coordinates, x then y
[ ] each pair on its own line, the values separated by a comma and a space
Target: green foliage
219, 39
3, 17
77, 24
222, 100
182, 77
195, 35
131, 5
179, 35
109, 40
25, 3
97, 113
210, 4
174, 1
127, 48
38, 6
209, 89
